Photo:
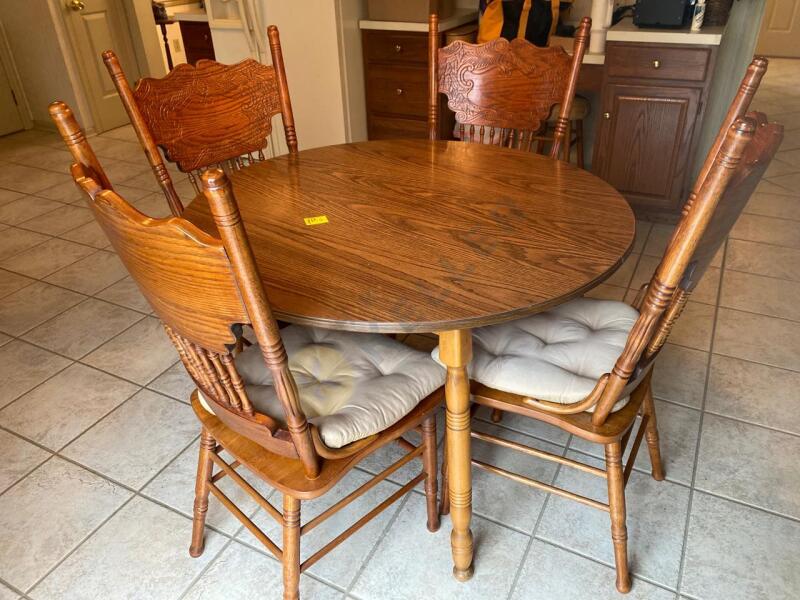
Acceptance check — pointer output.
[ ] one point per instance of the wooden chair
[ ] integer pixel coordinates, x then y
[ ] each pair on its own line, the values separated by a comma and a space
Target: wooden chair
598, 395
503, 92
254, 404
207, 115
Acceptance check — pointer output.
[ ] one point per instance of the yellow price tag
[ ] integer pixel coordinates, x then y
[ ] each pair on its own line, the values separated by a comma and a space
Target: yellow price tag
320, 220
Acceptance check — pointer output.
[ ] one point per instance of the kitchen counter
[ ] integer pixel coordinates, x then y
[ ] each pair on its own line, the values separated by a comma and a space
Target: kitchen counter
626, 31
192, 15
460, 17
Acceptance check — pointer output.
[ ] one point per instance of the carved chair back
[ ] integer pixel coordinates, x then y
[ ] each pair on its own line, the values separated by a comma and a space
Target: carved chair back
207, 115
503, 92
723, 191
204, 290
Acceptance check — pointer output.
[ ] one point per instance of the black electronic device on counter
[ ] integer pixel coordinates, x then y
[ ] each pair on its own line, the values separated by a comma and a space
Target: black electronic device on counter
672, 14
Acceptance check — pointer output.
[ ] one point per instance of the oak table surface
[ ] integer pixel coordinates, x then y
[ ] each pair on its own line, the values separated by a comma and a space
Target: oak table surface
425, 236
428, 236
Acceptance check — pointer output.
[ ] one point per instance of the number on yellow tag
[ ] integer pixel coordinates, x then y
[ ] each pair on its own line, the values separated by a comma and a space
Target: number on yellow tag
320, 220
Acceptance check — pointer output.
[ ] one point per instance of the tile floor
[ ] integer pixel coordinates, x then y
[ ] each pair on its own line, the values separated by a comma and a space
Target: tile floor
99, 444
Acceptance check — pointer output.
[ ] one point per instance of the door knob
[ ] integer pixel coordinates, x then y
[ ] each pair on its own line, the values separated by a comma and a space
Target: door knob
76, 5
607, 115
656, 64
399, 91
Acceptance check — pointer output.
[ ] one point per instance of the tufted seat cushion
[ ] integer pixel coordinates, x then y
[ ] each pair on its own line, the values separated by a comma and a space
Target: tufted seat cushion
579, 110
351, 385
557, 355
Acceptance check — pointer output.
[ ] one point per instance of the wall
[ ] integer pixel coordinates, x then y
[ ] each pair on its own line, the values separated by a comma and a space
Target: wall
735, 53
38, 43
146, 37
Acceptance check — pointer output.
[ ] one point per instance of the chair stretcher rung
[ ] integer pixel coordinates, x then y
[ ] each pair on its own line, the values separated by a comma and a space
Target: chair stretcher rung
245, 520
251, 491
491, 439
637, 442
311, 560
539, 485
361, 491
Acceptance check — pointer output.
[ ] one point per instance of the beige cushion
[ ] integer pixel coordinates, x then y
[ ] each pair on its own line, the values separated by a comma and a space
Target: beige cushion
351, 385
579, 110
557, 355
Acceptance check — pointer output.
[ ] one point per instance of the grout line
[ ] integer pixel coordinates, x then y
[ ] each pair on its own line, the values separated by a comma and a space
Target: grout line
682, 564
773, 277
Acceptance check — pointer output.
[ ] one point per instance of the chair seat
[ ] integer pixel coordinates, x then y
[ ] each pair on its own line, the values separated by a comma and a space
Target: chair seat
580, 110
557, 355
351, 385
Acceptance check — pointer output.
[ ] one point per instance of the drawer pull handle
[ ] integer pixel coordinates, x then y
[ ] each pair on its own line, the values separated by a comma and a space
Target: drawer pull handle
607, 115
399, 91
656, 64
398, 48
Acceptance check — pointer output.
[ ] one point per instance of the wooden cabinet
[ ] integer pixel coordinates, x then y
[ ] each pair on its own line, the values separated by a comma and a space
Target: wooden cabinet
396, 83
652, 108
197, 42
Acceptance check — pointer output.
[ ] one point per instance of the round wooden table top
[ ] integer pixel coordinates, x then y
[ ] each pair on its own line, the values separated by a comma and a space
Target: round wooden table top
425, 236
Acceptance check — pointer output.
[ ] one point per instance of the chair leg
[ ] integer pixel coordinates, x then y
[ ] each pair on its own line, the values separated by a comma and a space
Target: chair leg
651, 435
429, 465
616, 503
444, 499
201, 490
497, 415
291, 548
579, 141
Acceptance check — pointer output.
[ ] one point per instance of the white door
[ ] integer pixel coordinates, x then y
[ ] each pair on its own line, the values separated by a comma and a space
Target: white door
10, 121
95, 26
780, 29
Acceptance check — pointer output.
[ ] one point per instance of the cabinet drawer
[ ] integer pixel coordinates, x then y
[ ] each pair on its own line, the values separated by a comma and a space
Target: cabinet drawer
657, 61
397, 90
392, 128
394, 47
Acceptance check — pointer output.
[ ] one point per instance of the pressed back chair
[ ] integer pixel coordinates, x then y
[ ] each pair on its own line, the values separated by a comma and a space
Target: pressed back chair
207, 115
602, 406
205, 290
503, 92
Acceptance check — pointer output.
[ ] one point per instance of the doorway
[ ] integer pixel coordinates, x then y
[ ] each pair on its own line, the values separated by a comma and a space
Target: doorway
780, 29
10, 117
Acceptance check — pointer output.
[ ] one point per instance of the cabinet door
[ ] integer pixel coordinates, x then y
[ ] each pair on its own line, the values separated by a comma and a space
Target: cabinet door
644, 142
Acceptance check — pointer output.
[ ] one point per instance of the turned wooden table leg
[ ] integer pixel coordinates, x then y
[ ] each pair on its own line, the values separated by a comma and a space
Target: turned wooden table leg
455, 351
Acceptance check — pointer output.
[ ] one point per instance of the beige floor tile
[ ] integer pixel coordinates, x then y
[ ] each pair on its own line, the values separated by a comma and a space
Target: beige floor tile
59, 220
90, 234
19, 459
91, 274
48, 514
141, 552
46, 258
241, 573
29, 180
153, 205
693, 328
642, 231
175, 485
26, 208
110, 148
23, 367
550, 573
763, 295
656, 520
763, 259
59, 410
125, 133
14, 241
762, 471
758, 338
83, 328
175, 383
740, 553
755, 228
606, 292
752, 392
126, 293
122, 171
140, 354
7, 593
137, 440
7, 196
66, 191
11, 282
622, 276
774, 205
679, 375
658, 239
790, 182
45, 157
414, 563
33, 305
527, 426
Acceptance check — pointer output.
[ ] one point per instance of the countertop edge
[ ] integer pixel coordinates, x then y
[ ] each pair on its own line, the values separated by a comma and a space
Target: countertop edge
460, 17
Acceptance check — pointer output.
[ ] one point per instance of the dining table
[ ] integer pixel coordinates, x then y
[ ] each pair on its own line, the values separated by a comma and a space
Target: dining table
405, 236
